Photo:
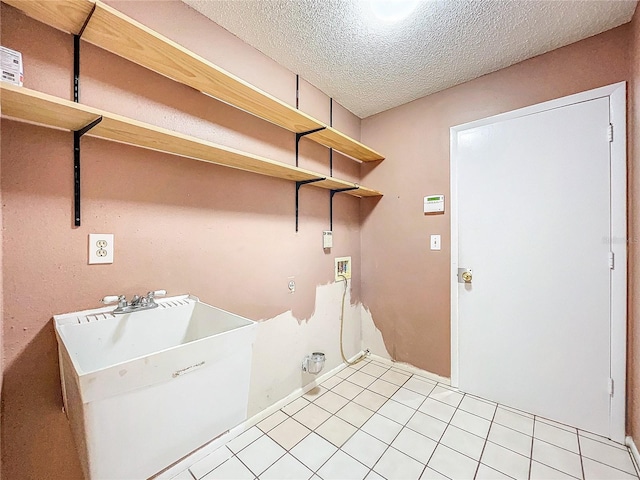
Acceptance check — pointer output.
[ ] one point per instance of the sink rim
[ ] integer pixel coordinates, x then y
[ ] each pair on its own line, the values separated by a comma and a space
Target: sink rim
61, 323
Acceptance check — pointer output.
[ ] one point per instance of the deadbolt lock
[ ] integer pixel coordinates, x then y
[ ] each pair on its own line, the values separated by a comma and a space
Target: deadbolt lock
465, 275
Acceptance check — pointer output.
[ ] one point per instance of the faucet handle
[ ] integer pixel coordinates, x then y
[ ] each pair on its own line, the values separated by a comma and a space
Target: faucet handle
121, 299
156, 293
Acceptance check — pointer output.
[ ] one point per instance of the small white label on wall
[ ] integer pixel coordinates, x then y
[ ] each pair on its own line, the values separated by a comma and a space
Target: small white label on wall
11, 66
327, 239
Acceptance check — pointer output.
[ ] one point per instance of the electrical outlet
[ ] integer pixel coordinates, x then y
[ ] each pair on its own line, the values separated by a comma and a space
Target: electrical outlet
100, 248
292, 285
343, 268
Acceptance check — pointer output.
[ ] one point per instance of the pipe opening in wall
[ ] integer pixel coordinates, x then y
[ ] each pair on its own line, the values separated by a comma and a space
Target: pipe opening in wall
313, 363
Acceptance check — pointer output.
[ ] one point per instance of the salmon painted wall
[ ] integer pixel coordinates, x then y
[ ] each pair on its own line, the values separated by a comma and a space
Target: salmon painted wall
187, 226
1, 308
633, 374
405, 285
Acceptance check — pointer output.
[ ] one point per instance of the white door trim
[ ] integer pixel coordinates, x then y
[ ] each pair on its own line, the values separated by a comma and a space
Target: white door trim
617, 115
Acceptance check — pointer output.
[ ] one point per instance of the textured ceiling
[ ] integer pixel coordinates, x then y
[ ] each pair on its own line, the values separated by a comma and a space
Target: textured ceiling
369, 65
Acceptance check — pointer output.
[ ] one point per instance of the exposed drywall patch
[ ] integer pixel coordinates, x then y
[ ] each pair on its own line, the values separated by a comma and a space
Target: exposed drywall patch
303, 299
372, 338
283, 342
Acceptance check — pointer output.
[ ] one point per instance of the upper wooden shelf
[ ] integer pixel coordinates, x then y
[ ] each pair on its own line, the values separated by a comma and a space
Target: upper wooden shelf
111, 30
29, 105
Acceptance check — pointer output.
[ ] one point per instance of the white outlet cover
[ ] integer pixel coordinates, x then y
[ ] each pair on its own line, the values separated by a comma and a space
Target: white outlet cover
435, 242
100, 248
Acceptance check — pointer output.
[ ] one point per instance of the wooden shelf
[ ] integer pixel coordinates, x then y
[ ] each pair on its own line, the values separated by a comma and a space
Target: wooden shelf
29, 105
123, 36
66, 15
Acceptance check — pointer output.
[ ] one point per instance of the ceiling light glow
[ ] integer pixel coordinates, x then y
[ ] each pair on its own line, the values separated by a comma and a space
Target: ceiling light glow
392, 10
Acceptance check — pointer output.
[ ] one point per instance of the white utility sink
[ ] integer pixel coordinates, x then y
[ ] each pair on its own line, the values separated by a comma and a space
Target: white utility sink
144, 389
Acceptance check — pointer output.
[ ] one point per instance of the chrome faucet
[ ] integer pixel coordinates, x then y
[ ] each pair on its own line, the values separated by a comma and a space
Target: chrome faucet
137, 303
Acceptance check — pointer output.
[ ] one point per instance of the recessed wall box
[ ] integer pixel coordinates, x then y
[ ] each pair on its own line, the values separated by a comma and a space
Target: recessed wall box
343, 268
434, 204
11, 66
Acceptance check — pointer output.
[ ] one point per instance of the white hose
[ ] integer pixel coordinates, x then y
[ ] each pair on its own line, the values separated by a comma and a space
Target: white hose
344, 294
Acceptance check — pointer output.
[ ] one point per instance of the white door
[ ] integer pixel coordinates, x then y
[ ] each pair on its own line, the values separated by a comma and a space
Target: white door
534, 228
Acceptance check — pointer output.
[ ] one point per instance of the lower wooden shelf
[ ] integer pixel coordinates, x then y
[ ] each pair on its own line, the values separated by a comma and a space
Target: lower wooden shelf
31, 106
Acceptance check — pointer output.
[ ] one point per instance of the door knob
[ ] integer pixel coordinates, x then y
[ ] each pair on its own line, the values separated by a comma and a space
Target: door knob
465, 275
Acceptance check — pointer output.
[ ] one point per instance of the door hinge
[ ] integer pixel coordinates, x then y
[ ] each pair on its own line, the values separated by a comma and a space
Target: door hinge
611, 260
610, 387
610, 132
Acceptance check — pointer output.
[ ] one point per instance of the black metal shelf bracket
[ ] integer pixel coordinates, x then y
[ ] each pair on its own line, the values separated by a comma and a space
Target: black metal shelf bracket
76, 68
333, 192
77, 135
76, 57
299, 135
300, 184
302, 134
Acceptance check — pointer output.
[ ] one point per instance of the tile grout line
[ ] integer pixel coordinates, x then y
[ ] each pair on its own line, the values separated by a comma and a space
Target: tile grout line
555, 469
234, 454
580, 453
315, 472
554, 424
475, 474
263, 433
442, 435
297, 443
611, 466
561, 448
396, 436
376, 412
462, 429
533, 436
286, 450
618, 446
608, 443
404, 425
281, 456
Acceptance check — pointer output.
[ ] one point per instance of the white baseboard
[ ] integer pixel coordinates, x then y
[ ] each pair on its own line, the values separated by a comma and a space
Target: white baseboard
634, 452
223, 439
412, 369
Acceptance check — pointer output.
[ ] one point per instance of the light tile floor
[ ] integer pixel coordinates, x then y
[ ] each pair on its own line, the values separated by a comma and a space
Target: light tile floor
374, 421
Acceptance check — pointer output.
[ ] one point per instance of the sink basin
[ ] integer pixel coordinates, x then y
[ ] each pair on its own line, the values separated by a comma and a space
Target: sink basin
144, 389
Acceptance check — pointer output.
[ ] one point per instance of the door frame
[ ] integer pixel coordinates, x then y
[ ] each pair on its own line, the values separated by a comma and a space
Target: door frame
618, 151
